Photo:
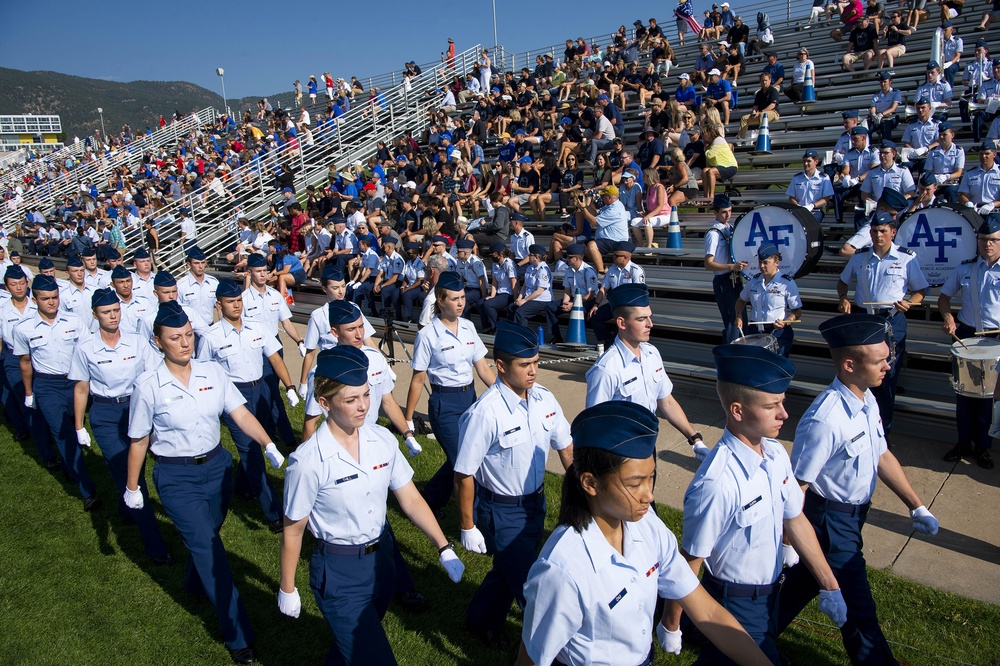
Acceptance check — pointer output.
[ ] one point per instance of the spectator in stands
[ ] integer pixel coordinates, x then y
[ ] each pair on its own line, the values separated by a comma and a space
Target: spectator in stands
893, 42
611, 223
936, 91
851, 13
874, 11
764, 37
862, 45
657, 210
684, 15
989, 16
802, 63
630, 194
916, 12
718, 95
685, 94
702, 64
602, 135
951, 9
765, 103
739, 35
733, 63
946, 162
775, 69
720, 162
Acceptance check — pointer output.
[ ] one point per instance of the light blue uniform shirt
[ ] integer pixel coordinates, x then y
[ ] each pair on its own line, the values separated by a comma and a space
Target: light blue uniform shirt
345, 241
145, 326
446, 357
471, 271
503, 272
391, 266
318, 335
238, 352
589, 605
629, 274
981, 186
111, 371
76, 300
772, 300
809, 190
621, 375
131, 314
198, 295
838, 443
937, 93
381, 381
990, 88
11, 317
182, 420
99, 279
504, 441
966, 280
885, 279
269, 308
414, 271
344, 498
735, 508
535, 277
883, 101
143, 286
370, 260
896, 177
717, 244
612, 222
860, 161
951, 47
843, 143
50, 345
941, 161
584, 280
519, 244
921, 134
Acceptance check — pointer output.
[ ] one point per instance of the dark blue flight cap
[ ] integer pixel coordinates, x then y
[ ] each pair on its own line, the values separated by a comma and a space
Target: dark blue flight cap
859, 130
850, 330
171, 315
228, 289
414, 246
73, 262
463, 244
14, 272
120, 273
256, 260
44, 283
88, 252
988, 144
926, 179
888, 144
164, 279
576, 249
991, 224
516, 340
535, 248
850, 113
497, 247
343, 364
196, 254
628, 295
440, 239
766, 251
944, 126
881, 218
451, 281
103, 297
141, 253
624, 246
624, 428
331, 273
343, 312
721, 201
46, 263
113, 254
894, 199
753, 366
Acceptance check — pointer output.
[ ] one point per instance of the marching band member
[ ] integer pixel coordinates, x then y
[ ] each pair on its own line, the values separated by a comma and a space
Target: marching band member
772, 298
980, 185
726, 283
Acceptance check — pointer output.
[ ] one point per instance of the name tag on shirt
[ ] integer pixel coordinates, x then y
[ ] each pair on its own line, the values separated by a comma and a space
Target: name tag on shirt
629, 381
444, 349
172, 399
346, 479
618, 597
512, 431
752, 502
103, 362
858, 436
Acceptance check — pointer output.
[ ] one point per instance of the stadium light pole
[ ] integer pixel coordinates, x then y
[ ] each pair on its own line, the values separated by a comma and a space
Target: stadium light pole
496, 42
222, 75
104, 138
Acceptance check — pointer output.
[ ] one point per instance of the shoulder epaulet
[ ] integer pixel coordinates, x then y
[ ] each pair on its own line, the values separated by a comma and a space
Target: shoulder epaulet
755, 276
970, 261
827, 401
787, 277
906, 250
864, 249
717, 466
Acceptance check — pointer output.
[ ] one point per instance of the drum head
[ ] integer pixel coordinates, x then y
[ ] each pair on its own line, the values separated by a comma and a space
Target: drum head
942, 236
977, 348
765, 340
792, 228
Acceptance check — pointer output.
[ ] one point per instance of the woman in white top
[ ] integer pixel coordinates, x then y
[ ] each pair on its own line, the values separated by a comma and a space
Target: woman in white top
802, 62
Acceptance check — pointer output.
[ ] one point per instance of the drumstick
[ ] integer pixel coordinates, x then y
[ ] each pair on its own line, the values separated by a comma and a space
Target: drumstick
912, 305
992, 331
960, 341
765, 323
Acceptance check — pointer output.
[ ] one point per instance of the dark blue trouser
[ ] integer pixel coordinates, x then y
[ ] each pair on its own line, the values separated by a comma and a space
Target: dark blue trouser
839, 535
252, 472
390, 298
353, 593
54, 399
513, 533
365, 293
22, 419
973, 415
278, 417
409, 300
444, 409
885, 393
528, 310
109, 421
196, 498
603, 330
727, 292
490, 309
473, 299
757, 614
840, 194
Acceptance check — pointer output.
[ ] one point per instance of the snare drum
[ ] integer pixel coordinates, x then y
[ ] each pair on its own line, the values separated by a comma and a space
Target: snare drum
973, 367
765, 340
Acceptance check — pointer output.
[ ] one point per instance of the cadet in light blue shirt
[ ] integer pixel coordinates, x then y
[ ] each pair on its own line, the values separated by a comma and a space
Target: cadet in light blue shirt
946, 162
623, 271
773, 299
536, 294
857, 162
504, 442
196, 289
74, 294
812, 188
13, 310
744, 499
503, 286
389, 276
936, 90
839, 451
579, 277
922, 133
887, 174
473, 272
364, 276
414, 274
884, 106
980, 185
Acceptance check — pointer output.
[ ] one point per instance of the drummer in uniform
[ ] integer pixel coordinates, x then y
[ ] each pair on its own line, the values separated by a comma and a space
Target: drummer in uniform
812, 188
772, 298
744, 500
884, 273
839, 453
632, 369
978, 282
980, 185
622, 271
727, 283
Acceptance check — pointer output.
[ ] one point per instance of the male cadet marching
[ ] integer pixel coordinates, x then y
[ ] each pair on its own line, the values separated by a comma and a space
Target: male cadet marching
196, 289
884, 273
142, 276
94, 277
632, 370
264, 304
839, 453
743, 499
622, 271
74, 294
133, 306
44, 342
504, 441
240, 348
726, 283
165, 289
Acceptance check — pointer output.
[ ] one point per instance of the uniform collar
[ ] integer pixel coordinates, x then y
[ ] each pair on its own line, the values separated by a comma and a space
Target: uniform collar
164, 377
123, 341
852, 403
600, 551
510, 398
626, 354
749, 461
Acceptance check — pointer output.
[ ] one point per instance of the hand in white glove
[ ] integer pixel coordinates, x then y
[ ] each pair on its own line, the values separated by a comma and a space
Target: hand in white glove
788, 555
303, 389
940, 177
986, 209
473, 541
302, 349
970, 204
293, 397
274, 455
995, 425
924, 521
414, 446
410, 426
808, 207
29, 401
83, 437
670, 641
832, 603
133, 498
453, 565
700, 450
289, 603
920, 152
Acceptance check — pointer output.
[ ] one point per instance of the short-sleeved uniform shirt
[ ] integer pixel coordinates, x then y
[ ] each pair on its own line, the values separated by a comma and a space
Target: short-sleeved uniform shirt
621, 375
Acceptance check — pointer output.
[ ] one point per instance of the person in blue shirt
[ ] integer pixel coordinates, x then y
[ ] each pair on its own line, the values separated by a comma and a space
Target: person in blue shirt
718, 94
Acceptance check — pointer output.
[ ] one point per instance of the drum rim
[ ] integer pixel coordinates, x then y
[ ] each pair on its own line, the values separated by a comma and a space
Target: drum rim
812, 254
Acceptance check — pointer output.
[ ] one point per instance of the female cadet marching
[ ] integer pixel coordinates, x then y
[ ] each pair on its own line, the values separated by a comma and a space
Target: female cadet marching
773, 299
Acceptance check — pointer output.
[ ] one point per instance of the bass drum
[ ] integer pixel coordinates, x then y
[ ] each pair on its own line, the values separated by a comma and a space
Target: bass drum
942, 236
793, 229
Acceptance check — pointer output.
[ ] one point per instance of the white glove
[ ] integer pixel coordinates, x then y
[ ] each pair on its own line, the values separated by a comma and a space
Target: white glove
920, 152
838, 157
924, 521
700, 450
83, 437
670, 641
453, 565
940, 177
410, 426
832, 603
788, 555
877, 118
302, 349
473, 541
986, 209
808, 207
293, 397
303, 389
29, 401
970, 204
133, 498
289, 603
414, 446
995, 425
274, 455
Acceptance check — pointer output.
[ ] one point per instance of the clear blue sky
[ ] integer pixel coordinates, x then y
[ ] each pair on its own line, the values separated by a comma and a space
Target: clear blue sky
264, 47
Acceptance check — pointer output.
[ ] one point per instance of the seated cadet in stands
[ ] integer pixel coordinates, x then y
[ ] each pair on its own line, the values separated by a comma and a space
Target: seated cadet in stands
536, 294
412, 292
473, 272
503, 286
891, 203
885, 103
812, 188
980, 185
623, 271
364, 275
580, 278
988, 90
389, 277
773, 299
886, 174
857, 162
937, 91
946, 163
844, 142
927, 188
920, 136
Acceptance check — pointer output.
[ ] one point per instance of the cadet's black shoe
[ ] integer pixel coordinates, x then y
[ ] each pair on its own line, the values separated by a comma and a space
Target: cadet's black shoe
493, 638
413, 601
276, 526
52, 464
957, 452
243, 656
983, 458
91, 503
163, 560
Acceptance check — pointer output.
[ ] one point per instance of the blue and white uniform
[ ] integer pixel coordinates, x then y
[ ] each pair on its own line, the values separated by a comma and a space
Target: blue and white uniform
771, 301
269, 308
381, 381
807, 190
318, 335
981, 186
621, 375
24, 421
199, 295
536, 277
895, 177
413, 272
503, 275
726, 285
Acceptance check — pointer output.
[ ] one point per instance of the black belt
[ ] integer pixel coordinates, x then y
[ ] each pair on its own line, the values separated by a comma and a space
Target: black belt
189, 460
888, 313
114, 401
246, 385
451, 389
742, 589
839, 507
516, 500
327, 548
45, 375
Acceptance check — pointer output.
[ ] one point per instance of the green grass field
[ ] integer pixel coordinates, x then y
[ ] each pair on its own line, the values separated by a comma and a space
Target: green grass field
77, 589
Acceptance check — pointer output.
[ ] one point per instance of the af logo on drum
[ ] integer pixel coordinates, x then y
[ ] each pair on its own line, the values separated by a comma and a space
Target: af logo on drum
942, 236
792, 228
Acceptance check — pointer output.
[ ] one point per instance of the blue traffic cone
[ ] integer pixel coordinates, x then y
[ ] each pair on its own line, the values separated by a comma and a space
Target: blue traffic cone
763, 139
577, 333
674, 231
809, 86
